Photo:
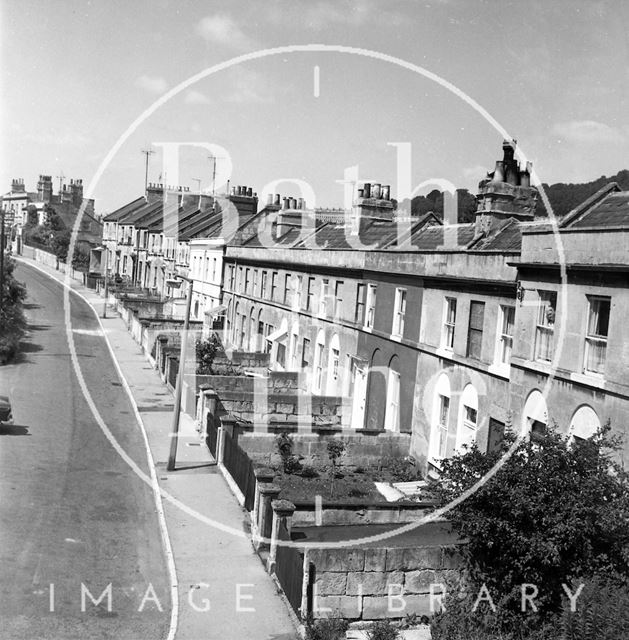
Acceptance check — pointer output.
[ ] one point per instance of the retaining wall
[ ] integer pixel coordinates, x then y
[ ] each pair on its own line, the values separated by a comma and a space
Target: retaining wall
376, 583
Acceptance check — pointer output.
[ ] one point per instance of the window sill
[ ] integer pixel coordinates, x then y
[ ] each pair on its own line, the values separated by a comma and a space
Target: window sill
590, 379
501, 369
445, 352
396, 337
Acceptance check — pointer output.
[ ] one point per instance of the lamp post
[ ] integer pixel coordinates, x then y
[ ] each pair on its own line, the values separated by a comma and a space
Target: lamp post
1, 257
182, 360
106, 284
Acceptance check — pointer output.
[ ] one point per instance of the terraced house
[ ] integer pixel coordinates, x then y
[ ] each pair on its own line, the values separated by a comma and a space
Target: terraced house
447, 333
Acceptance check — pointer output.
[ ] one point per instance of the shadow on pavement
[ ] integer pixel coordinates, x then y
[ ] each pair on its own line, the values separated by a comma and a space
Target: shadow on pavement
13, 430
37, 327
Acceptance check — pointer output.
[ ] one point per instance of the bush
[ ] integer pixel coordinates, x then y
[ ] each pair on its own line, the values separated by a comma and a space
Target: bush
550, 515
284, 443
206, 351
383, 630
12, 320
326, 629
400, 469
601, 612
336, 448
309, 472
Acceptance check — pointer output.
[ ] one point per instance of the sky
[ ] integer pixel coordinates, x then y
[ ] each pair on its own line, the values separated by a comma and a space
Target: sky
76, 75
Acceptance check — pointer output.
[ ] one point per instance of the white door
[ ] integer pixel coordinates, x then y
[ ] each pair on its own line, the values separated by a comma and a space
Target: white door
392, 412
359, 393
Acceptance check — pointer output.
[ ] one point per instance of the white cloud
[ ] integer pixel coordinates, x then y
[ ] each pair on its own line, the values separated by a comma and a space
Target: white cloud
152, 84
55, 137
222, 29
475, 173
324, 14
196, 97
587, 131
247, 86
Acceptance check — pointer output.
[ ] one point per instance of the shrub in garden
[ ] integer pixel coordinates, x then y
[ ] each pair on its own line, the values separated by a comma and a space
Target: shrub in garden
554, 514
284, 443
601, 612
383, 630
336, 448
326, 629
206, 351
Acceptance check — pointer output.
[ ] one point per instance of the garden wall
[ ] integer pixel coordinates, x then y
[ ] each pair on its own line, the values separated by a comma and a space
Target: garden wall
305, 514
274, 399
376, 583
361, 449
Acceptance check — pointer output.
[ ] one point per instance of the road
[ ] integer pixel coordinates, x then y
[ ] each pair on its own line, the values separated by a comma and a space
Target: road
72, 513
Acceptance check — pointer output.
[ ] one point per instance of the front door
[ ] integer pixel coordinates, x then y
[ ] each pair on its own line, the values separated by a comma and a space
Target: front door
359, 393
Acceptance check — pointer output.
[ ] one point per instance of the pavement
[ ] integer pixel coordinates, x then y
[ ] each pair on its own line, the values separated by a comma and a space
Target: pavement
223, 591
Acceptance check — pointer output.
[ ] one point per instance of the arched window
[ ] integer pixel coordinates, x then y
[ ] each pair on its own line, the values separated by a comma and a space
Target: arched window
317, 367
584, 424
334, 367
440, 419
392, 410
468, 418
535, 415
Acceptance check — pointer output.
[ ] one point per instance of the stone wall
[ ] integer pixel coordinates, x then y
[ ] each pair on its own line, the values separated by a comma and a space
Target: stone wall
305, 515
376, 583
271, 400
361, 449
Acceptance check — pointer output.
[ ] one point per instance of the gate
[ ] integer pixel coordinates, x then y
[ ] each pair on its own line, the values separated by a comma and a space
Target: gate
240, 468
289, 569
212, 425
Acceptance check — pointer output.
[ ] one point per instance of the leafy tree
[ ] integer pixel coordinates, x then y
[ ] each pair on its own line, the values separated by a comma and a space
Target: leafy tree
555, 513
12, 320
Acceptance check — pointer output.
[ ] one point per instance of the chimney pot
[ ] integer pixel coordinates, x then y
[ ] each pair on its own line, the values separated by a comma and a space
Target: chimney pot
375, 190
367, 189
386, 192
277, 198
269, 199
250, 192
499, 172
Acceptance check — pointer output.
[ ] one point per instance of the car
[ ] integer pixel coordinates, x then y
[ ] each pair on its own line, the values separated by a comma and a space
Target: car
6, 414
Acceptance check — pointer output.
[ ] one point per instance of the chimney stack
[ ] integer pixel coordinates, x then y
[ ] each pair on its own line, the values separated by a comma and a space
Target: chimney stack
506, 193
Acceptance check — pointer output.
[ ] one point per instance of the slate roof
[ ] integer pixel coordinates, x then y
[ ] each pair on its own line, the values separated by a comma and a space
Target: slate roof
612, 211
124, 211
